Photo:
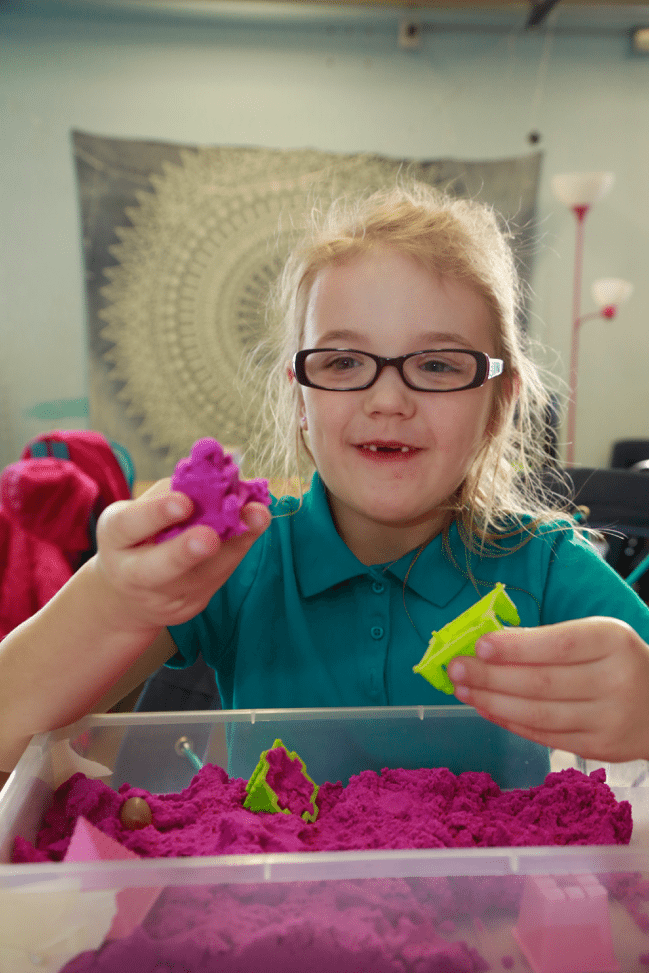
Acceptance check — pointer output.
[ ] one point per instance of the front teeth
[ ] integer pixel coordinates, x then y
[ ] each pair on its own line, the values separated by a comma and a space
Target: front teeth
373, 448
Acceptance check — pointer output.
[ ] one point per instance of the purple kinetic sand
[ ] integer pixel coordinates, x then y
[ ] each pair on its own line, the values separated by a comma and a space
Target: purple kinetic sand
426, 808
211, 478
390, 925
287, 778
290, 927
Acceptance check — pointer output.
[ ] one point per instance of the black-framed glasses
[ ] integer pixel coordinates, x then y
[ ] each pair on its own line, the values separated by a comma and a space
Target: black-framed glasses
439, 370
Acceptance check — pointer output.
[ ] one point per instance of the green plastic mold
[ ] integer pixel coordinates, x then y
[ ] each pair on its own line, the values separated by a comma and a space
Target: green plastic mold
289, 770
460, 636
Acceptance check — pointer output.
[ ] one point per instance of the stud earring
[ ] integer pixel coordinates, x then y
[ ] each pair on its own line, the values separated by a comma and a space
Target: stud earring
303, 421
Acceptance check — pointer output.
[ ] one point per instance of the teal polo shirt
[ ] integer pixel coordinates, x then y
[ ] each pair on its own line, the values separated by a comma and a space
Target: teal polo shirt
303, 623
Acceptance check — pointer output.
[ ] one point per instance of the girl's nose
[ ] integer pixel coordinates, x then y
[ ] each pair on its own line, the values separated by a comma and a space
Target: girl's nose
389, 394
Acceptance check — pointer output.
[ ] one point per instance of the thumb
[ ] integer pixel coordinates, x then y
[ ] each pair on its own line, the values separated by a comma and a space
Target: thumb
256, 517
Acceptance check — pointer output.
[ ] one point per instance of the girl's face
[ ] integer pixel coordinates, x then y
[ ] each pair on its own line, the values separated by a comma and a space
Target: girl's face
391, 456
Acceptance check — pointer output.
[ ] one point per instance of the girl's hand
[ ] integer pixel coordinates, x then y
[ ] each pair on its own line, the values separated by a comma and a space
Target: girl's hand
155, 585
580, 686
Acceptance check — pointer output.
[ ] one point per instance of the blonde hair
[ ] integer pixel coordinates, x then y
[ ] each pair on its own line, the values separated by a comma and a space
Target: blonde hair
453, 238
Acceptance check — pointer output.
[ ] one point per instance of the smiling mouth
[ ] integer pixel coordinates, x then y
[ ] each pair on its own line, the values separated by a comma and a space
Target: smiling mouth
388, 448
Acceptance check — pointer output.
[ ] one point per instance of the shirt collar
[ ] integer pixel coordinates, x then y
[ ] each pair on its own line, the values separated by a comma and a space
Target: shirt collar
323, 560
438, 572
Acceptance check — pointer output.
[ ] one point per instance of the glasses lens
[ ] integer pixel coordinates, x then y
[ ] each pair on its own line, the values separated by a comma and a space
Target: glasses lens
339, 369
440, 370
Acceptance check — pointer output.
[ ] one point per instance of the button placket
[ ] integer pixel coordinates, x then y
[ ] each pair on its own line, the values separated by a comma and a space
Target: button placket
378, 602
377, 629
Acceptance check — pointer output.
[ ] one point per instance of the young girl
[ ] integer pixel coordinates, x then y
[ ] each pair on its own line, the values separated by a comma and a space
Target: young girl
401, 374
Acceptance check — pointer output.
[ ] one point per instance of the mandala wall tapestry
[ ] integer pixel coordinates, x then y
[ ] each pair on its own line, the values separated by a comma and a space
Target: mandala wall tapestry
181, 245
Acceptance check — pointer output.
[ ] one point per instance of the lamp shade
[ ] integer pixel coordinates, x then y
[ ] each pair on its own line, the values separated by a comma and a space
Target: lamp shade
582, 188
611, 291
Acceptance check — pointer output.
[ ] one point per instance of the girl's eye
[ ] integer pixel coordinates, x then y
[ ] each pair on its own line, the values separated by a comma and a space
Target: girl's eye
342, 364
437, 365
441, 370
338, 369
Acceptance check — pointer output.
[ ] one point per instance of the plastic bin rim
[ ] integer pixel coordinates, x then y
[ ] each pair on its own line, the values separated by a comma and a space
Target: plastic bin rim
338, 865
259, 715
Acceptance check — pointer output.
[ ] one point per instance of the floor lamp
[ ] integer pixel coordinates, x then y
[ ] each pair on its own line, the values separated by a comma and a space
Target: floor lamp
579, 191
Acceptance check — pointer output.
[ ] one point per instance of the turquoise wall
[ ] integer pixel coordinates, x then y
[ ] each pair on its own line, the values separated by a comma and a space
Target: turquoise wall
333, 79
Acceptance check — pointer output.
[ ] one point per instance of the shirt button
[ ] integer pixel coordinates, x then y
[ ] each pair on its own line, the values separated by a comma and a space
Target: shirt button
377, 587
376, 632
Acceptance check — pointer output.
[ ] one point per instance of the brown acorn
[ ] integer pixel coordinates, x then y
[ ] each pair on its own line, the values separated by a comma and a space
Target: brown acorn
135, 813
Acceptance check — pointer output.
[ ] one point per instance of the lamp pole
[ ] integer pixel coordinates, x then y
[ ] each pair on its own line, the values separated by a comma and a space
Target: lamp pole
609, 293
580, 216
578, 191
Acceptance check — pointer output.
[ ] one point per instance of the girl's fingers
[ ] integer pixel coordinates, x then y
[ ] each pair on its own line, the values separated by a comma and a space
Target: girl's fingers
154, 566
590, 730
566, 643
197, 553
574, 682
257, 518
541, 715
575, 660
572, 641
201, 543
127, 523
580, 686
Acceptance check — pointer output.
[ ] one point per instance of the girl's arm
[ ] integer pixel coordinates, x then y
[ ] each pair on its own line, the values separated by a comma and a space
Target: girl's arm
79, 651
580, 686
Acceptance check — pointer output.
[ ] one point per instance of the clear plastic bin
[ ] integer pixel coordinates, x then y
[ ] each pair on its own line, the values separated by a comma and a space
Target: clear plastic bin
552, 910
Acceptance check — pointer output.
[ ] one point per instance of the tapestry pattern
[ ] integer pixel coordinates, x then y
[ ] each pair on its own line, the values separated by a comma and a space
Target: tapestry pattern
181, 245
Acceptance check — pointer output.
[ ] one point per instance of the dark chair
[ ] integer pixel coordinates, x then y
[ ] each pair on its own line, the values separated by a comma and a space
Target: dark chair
627, 452
616, 498
168, 690
193, 688
616, 503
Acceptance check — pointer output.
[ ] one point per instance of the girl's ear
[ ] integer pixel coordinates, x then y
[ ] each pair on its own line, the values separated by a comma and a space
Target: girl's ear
291, 377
